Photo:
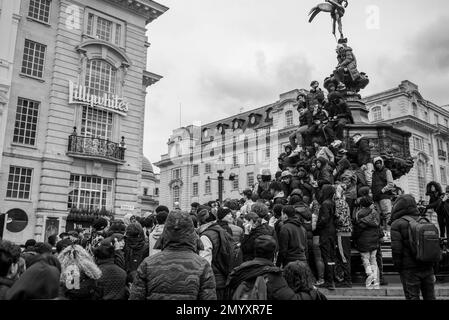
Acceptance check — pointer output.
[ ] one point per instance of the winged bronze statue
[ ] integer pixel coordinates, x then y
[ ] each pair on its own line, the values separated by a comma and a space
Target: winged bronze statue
337, 10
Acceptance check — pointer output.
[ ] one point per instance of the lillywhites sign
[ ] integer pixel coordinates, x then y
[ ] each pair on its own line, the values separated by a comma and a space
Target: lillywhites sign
80, 95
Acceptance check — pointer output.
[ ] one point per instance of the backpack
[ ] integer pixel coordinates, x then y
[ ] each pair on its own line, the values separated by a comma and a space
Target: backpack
252, 290
424, 239
223, 256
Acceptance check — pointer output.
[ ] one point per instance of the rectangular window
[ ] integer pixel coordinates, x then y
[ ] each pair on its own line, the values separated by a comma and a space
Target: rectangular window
33, 58
39, 10
418, 143
90, 192
235, 161
156, 191
176, 173
145, 191
235, 183
195, 189
196, 170
101, 77
104, 27
19, 183
25, 127
207, 168
249, 158
207, 188
96, 123
250, 179
443, 175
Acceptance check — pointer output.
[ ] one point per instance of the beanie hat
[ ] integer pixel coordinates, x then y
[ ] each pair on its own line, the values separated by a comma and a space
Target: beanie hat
134, 230
260, 209
223, 212
265, 246
99, 224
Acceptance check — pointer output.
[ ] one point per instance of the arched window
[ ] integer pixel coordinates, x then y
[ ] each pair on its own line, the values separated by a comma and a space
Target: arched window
415, 109
422, 178
176, 194
289, 118
101, 77
376, 113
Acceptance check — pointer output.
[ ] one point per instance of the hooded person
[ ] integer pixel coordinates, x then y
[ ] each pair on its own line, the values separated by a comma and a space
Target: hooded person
325, 228
135, 250
382, 187
261, 265
161, 217
277, 191
128, 219
292, 238
304, 182
416, 276
163, 275
79, 275
40, 281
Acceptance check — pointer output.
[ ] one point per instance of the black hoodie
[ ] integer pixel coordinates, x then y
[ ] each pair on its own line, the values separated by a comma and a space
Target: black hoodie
292, 242
325, 226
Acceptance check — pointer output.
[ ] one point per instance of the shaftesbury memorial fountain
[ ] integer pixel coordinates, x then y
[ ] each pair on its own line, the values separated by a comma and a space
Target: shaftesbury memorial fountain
386, 141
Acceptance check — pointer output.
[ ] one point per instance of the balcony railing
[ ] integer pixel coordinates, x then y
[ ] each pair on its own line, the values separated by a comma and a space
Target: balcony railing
442, 154
96, 148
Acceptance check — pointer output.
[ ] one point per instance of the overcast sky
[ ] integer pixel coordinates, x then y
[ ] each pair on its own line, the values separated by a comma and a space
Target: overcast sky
219, 56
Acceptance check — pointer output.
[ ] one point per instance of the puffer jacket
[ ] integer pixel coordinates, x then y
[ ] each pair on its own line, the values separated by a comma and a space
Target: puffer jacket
177, 272
366, 229
403, 257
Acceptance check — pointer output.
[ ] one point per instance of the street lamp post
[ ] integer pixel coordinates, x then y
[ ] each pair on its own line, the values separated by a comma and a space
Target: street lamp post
220, 185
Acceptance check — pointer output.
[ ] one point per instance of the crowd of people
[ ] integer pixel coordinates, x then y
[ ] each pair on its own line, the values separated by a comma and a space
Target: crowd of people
289, 235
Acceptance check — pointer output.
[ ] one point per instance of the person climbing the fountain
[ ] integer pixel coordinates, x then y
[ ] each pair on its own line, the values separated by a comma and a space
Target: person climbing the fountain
339, 116
305, 121
315, 95
347, 63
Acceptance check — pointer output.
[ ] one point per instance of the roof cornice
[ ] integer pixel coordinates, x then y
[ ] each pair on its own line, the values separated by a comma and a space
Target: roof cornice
147, 8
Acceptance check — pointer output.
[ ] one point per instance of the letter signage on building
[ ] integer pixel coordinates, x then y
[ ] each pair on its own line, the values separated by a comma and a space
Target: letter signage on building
79, 94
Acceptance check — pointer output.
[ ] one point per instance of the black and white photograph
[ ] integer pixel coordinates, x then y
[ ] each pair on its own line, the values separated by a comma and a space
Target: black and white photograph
223, 151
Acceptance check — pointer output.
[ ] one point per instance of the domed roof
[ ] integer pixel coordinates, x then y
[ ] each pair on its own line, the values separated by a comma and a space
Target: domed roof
146, 165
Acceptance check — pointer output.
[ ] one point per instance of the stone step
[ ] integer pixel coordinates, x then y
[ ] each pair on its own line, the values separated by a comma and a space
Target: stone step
379, 298
388, 291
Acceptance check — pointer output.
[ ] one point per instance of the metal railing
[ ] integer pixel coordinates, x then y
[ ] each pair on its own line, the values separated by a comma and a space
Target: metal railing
97, 148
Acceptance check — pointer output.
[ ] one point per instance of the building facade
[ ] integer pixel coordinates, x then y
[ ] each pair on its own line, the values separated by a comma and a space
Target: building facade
74, 128
149, 191
405, 108
247, 143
